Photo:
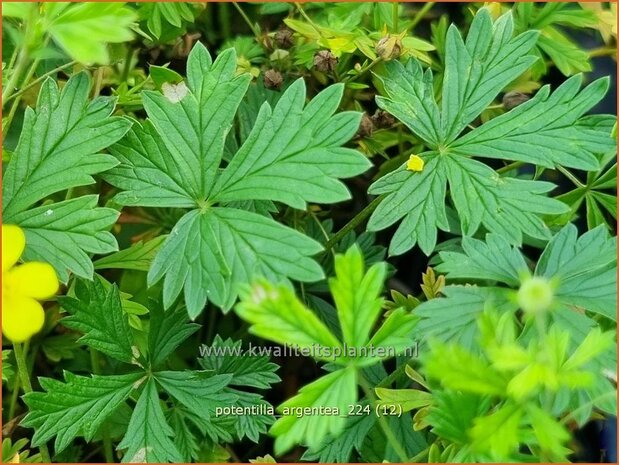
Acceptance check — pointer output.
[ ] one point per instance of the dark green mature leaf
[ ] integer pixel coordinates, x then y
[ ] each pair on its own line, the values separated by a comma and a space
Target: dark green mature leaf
293, 154
338, 449
137, 257
586, 268
226, 357
98, 314
167, 331
478, 69
419, 198
196, 390
549, 130
59, 149
225, 247
64, 233
494, 260
76, 407
149, 436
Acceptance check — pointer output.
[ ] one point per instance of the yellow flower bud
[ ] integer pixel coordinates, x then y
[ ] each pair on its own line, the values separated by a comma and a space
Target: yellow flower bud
536, 295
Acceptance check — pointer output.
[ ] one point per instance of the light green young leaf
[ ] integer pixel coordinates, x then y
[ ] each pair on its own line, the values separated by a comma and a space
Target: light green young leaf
59, 149
337, 390
497, 434
149, 436
293, 154
395, 334
85, 29
277, 314
549, 130
137, 257
356, 294
76, 407
98, 314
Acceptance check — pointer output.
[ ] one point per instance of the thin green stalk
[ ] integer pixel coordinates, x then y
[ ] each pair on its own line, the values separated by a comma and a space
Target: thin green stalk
362, 71
420, 15
22, 62
253, 28
382, 421
511, 166
223, 13
108, 450
41, 78
307, 18
22, 370
356, 221
395, 10
7, 125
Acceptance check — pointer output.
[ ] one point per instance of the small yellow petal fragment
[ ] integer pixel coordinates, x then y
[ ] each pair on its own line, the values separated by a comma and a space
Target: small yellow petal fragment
415, 163
13, 243
32, 279
22, 318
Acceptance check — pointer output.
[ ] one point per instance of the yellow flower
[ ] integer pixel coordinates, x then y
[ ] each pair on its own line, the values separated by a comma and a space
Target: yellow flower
415, 163
22, 287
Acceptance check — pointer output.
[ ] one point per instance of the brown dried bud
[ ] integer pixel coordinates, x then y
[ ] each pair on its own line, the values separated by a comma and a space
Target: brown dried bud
283, 38
389, 47
366, 127
273, 79
325, 61
513, 99
382, 119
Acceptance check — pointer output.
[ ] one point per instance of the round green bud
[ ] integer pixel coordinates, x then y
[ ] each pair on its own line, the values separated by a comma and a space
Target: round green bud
535, 295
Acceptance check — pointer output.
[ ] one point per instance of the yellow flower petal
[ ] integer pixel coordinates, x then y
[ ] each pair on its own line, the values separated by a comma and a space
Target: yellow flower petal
13, 243
22, 317
32, 279
415, 163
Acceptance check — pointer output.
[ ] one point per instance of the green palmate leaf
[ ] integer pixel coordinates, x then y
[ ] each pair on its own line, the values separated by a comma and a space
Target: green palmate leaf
76, 407
149, 436
497, 434
583, 271
98, 314
339, 448
478, 68
453, 412
57, 150
454, 317
420, 199
196, 390
276, 314
356, 295
84, 30
167, 331
337, 390
225, 357
585, 268
226, 247
494, 260
549, 130
293, 154
476, 71
64, 233
137, 257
